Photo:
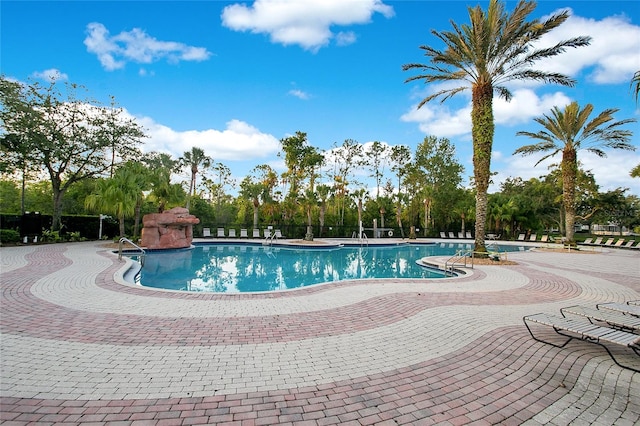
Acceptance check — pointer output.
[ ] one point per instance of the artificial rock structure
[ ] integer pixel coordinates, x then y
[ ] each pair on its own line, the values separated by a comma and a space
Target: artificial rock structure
168, 230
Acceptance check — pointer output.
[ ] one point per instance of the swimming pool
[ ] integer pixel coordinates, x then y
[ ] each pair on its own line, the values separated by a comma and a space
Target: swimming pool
244, 268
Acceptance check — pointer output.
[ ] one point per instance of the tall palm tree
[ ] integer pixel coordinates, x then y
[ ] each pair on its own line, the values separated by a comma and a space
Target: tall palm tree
119, 195
494, 49
193, 160
568, 131
635, 84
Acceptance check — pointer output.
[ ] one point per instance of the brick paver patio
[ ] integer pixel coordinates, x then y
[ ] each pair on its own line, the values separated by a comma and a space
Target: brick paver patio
80, 347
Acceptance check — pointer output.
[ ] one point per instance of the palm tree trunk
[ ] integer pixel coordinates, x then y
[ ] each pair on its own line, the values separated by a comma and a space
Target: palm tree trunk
482, 133
569, 173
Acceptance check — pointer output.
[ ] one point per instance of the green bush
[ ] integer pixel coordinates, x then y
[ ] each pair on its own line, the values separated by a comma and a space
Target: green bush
8, 236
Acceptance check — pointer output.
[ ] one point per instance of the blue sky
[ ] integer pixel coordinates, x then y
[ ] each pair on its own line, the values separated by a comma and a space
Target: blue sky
234, 78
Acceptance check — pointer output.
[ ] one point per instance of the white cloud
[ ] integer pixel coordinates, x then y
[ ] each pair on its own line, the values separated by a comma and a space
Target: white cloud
612, 57
238, 142
51, 75
438, 120
299, 94
303, 22
135, 45
610, 173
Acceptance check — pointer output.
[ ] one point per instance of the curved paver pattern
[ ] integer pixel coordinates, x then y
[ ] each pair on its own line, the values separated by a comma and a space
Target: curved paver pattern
79, 347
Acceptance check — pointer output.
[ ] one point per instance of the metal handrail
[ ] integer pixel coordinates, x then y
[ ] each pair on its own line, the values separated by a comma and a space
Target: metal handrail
126, 240
460, 254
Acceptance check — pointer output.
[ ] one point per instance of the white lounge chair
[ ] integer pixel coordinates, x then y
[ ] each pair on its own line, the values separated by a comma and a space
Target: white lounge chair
206, 232
221, 233
533, 237
619, 242
243, 233
608, 242
256, 233
468, 235
278, 233
460, 235
443, 235
544, 239
521, 237
451, 235
585, 331
232, 233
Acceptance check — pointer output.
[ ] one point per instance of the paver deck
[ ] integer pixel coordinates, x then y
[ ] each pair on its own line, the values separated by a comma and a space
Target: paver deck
80, 347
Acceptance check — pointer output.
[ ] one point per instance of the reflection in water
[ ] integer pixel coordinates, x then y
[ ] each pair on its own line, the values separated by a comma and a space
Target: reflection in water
244, 268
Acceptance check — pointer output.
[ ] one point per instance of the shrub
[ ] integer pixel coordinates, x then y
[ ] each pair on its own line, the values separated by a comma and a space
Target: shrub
9, 236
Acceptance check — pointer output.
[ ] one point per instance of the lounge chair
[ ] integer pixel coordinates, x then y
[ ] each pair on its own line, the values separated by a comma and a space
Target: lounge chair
443, 235
533, 237
608, 242
544, 238
624, 308
585, 331
243, 233
587, 242
468, 235
637, 246
597, 241
206, 232
619, 242
629, 244
256, 233
521, 237
460, 235
232, 233
612, 318
451, 235
278, 234
221, 233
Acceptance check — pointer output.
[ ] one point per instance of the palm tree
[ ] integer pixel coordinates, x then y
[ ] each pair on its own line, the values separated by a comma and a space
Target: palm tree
635, 84
119, 195
568, 131
494, 49
193, 160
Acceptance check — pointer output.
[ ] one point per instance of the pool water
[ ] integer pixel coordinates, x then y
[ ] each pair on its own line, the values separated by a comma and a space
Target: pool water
243, 268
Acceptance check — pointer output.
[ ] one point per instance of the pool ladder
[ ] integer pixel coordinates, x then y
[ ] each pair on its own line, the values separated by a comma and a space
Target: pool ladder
140, 249
459, 259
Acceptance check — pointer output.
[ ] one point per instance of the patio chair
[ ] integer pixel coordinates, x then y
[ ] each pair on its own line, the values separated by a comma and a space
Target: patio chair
221, 233
587, 242
460, 235
443, 235
610, 317
451, 235
206, 232
243, 233
623, 308
521, 237
619, 242
232, 233
533, 237
629, 244
256, 233
597, 241
544, 239
278, 234
583, 330
608, 242
468, 235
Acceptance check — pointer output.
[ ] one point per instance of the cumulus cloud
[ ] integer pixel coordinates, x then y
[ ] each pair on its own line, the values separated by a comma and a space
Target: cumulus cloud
115, 51
438, 120
303, 22
239, 141
51, 75
612, 56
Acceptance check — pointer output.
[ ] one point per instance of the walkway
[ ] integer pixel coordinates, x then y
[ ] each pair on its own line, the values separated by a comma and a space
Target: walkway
80, 348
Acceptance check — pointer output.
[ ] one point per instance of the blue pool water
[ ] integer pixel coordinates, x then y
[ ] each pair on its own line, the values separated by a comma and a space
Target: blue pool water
242, 268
